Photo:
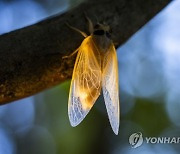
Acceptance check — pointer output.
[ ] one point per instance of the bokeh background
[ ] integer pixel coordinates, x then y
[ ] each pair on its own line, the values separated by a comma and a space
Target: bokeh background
149, 75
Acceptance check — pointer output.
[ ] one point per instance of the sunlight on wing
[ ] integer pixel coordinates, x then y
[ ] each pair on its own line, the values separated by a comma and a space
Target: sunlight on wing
110, 87
86, 82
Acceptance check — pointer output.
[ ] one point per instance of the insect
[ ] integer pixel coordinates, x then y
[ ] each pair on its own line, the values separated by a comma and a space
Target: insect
95, 68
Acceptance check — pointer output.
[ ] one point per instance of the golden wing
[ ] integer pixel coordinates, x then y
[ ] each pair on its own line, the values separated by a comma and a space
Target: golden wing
110, 87
86, 82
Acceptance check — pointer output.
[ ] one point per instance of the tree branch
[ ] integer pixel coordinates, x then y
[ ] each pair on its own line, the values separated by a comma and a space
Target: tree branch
31, 57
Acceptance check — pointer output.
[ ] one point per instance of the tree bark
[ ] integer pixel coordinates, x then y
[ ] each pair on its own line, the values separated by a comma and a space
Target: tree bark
31, 57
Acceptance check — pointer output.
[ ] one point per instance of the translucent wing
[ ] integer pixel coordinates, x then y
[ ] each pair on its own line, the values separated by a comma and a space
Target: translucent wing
86, 82
110, 87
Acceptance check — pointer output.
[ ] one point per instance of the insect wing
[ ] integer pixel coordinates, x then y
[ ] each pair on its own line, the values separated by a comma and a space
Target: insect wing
110, 87
86, 82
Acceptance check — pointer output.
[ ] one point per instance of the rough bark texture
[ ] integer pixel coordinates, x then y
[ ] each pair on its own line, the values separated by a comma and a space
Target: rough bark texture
31, 57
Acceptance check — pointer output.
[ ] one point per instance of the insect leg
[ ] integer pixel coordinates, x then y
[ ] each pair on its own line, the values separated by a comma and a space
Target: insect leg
91, 29
77, 30
72, 54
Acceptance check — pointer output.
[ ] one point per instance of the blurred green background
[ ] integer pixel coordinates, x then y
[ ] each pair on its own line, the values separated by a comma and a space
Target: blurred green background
149, 76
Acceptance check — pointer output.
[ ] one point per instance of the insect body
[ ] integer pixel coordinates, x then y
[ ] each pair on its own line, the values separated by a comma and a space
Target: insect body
96, 67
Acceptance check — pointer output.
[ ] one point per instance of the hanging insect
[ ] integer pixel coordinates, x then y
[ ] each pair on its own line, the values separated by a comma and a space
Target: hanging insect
96, 67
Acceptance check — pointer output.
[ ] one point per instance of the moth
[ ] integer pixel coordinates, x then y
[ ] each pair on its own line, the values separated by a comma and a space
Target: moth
95, 68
